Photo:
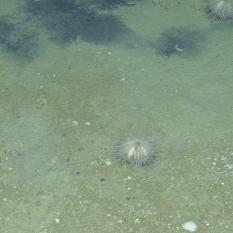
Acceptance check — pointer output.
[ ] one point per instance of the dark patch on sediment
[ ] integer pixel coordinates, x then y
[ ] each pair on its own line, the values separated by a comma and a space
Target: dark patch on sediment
63, 18
106, 4
5, 30
17, 38
180, 41
109, 4
103, 29
66, 21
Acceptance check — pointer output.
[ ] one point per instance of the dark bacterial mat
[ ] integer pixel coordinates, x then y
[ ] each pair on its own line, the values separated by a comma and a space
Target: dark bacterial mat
66, 21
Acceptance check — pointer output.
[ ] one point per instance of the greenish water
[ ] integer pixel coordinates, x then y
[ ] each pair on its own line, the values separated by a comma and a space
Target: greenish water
64, 110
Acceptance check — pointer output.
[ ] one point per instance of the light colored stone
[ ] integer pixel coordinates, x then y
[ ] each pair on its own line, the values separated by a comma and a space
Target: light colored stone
190, 226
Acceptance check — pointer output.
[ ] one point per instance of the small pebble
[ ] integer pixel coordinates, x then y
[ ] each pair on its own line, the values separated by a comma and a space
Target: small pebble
57, 220
206, 223
137, 220
75, 123
108, 162
190, 226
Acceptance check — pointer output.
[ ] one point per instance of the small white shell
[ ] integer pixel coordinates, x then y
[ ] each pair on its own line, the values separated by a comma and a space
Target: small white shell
190, 226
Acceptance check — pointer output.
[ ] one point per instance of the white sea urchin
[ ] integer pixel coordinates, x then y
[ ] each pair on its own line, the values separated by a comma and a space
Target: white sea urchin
136, 152
222, 9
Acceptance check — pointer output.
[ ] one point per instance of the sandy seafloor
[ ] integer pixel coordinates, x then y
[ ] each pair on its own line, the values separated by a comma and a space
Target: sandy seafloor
63, 113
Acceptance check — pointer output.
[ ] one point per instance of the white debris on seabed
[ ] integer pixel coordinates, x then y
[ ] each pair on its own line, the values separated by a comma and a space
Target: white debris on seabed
108, 162
75, 123
190, 226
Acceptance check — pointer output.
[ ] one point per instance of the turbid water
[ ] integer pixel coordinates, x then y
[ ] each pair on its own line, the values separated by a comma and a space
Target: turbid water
69, 94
